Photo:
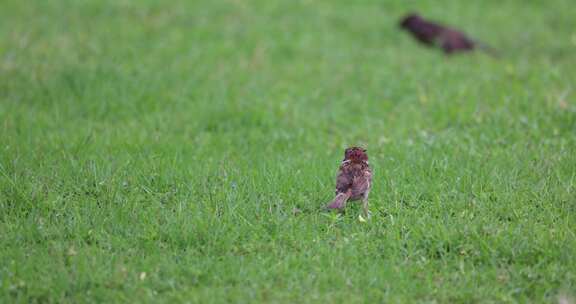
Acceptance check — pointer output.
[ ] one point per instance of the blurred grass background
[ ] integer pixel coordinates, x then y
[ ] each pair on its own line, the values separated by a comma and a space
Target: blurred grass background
157, 150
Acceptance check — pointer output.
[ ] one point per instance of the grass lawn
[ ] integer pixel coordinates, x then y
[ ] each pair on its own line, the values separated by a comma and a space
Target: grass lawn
156, 151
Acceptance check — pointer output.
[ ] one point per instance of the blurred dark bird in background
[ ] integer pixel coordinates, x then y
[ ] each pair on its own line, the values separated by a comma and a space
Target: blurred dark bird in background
436, 35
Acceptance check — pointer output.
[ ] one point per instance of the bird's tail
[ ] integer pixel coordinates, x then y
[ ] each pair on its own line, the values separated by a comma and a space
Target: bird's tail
339, 201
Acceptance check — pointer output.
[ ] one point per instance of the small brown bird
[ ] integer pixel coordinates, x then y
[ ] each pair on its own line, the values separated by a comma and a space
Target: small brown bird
354, 180
433, 34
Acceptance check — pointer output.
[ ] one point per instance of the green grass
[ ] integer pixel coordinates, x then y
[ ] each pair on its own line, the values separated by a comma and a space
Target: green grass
156, 150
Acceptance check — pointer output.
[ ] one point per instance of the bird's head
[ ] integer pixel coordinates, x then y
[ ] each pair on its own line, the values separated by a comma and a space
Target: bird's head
409, 20
355, 154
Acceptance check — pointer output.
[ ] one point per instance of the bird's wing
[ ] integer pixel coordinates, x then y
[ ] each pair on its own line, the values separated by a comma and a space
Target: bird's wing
343, 181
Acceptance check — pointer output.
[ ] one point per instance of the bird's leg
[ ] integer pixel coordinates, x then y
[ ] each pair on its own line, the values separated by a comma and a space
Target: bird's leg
365, 205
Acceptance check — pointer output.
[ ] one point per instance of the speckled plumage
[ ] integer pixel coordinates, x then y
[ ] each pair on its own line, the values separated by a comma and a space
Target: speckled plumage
354, 180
